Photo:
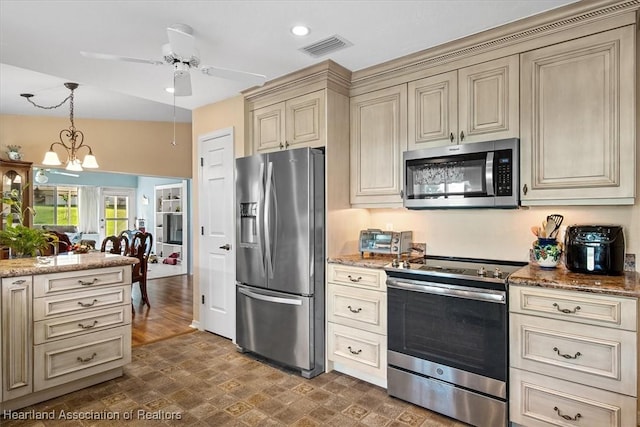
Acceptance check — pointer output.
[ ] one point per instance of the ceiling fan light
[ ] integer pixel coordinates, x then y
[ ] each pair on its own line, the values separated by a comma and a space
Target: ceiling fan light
74, 165
51, 159
300, 30
41, 177
90, 162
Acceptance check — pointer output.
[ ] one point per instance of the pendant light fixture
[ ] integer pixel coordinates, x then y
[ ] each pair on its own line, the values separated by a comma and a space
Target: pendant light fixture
73, 137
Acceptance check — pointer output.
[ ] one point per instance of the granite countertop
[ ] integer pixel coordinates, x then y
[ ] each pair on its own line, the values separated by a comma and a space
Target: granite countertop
368, 261
561, 278
61, 263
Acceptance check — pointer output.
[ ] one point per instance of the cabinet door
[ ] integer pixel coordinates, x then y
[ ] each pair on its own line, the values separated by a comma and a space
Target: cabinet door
488, 101
378, 139
268, 128
305, 121
578, 121
433, 111
17, 338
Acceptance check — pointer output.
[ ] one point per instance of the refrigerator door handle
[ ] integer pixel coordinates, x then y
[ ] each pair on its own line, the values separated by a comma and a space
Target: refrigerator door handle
261, 243
267, 216
267, 298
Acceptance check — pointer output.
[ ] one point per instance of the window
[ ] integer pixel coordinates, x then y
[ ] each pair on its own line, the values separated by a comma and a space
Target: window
116, 212
55, 205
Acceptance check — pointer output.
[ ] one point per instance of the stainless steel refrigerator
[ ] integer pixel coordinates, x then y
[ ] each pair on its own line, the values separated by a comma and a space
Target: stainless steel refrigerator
280, 255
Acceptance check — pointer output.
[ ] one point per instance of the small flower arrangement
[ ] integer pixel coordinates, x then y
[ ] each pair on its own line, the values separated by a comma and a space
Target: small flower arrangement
13, 151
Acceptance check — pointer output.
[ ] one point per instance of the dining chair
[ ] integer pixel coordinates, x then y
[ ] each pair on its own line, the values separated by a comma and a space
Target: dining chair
119, 245
140, 248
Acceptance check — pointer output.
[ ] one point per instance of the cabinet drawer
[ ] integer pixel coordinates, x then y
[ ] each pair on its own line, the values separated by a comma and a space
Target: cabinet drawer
582, 307
601, 357
361, 350
357, 276
360, 308
537, 401
78, 302
79, 324
47, 284
59, 362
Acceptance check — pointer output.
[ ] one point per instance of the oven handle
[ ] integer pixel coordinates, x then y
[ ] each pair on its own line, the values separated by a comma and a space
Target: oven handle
486, 295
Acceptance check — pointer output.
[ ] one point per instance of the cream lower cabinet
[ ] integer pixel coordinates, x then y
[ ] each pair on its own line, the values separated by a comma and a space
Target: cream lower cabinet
378, 139
475, 103
74, 331
294, 123
17, 337
578, 116
573, 358
357, 322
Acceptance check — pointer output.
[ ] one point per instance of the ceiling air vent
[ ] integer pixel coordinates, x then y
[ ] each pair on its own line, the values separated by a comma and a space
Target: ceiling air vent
326, 46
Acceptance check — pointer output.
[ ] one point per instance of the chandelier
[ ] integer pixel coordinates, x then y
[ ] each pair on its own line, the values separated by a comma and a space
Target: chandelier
73, 137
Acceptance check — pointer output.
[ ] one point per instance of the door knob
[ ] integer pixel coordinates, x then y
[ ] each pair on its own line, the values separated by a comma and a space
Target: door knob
226, 247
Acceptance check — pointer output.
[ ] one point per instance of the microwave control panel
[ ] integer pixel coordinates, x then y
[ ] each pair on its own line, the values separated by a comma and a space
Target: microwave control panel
504, 173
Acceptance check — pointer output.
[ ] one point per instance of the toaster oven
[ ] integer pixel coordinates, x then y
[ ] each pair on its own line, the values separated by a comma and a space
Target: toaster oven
376, 241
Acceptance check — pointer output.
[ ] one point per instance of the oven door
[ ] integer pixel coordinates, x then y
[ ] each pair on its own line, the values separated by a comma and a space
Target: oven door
456, 326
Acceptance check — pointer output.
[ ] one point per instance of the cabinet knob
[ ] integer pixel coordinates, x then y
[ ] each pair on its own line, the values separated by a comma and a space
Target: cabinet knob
461, 135
451, 137
281, 146
525, 189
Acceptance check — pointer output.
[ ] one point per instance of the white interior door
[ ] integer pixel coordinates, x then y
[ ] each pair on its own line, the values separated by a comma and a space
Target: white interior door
217, 233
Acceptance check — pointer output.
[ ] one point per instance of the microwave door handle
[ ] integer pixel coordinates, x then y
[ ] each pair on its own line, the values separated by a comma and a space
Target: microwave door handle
488, 173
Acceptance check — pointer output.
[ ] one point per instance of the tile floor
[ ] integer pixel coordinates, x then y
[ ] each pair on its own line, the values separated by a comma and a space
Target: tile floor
199, 379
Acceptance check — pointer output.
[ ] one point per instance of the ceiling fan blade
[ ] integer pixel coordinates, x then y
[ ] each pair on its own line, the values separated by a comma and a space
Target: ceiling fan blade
181, 83
74, 175
108, 56
182, 43
242, 76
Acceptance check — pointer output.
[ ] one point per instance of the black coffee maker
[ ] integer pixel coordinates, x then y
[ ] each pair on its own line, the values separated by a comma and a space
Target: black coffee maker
596, 249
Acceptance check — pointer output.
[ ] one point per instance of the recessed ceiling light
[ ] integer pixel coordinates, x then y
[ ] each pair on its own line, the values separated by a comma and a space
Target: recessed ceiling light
300, 30
169, 89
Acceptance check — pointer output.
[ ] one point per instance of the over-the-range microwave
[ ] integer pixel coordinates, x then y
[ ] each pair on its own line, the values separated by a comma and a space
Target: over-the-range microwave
474, 175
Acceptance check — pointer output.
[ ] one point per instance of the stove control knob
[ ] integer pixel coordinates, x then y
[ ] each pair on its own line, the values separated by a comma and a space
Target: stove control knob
405, 264
482, 272
497, 273
395, 263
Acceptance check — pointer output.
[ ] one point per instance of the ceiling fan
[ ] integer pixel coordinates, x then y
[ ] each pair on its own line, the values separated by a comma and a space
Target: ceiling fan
181, 53
42, 178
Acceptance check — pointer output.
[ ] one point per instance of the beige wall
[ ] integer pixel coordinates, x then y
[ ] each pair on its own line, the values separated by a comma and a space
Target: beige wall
126, 146
221, 115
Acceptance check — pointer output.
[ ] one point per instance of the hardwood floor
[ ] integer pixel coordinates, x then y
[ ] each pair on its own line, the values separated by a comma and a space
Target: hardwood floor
171, 310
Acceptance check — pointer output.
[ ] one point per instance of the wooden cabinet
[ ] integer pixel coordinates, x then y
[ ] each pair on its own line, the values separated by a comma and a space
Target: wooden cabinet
573, 354
578, 121
378, 139
63, 332
475, 103
296, 122
357, 322
17, 342
16, 175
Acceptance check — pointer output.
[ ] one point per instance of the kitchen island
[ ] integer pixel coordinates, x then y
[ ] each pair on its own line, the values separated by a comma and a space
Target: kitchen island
65, 324
573, 347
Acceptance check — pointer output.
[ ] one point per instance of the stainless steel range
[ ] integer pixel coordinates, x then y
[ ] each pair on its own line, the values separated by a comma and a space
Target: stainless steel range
448, 336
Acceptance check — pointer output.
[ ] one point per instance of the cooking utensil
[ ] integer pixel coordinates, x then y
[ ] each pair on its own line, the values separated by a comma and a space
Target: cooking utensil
557, 220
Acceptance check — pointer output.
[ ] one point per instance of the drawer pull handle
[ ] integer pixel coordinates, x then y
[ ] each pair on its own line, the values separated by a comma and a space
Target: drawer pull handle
88, 359
82, 304
88, 283
95, 322
567, 417
354, 352
566, 356
357, 310
18, 282
354, 280
566, 310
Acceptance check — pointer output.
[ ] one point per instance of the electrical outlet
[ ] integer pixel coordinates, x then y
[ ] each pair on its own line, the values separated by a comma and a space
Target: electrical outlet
389, 226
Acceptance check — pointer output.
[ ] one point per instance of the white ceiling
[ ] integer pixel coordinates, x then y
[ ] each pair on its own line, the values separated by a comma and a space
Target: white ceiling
40, 43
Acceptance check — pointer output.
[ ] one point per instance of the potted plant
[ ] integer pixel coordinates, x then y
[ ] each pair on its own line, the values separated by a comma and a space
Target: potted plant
23, 241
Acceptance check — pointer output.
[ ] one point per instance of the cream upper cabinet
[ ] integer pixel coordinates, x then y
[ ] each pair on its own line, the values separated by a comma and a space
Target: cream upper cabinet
297, 122
476, 103
17, 337
378, 139
578, 121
